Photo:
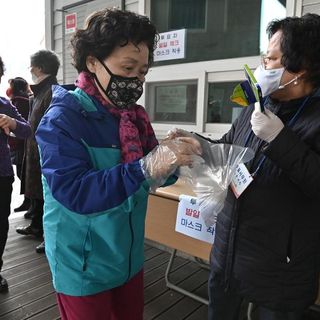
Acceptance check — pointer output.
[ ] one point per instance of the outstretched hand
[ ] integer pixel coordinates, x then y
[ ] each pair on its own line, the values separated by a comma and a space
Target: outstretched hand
170, 154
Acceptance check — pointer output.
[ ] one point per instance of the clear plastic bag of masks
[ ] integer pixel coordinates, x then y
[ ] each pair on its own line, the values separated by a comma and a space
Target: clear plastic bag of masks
211, 175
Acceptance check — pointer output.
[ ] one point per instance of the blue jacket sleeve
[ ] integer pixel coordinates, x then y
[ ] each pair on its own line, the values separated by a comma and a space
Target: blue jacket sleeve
69, 173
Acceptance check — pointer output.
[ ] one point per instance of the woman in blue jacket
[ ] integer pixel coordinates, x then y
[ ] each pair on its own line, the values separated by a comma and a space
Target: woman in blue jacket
99, 158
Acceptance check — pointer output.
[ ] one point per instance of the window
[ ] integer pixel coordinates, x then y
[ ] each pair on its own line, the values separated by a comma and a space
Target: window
174, 102
187, 14
217, 29
220, 108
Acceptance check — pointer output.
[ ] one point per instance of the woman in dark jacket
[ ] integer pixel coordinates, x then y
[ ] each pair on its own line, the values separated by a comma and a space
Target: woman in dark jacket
267, 241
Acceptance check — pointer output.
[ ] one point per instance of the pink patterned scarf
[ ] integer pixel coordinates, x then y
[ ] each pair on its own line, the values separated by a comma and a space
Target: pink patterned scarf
136, 134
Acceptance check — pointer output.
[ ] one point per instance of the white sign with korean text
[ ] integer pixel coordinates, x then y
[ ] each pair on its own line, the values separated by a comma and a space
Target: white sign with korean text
240, 180
190, 222
171, 45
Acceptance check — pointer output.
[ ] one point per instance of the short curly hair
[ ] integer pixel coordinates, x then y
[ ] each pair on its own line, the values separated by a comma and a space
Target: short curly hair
47, 61
107, 29
300, 45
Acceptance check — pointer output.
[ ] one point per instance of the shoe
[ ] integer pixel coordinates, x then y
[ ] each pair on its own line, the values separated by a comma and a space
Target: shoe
29, 231
29, 214
3, 284
41, 248
24, 206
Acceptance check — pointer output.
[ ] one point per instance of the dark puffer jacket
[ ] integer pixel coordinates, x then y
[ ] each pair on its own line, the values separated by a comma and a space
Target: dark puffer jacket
269, 239
41, 101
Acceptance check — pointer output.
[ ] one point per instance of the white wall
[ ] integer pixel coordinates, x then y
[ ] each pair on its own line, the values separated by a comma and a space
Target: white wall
312, 6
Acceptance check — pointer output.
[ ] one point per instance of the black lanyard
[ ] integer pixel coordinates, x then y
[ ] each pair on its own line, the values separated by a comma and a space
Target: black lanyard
291, 123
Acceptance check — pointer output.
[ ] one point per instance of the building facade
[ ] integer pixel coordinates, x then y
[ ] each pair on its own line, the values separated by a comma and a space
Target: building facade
219, 36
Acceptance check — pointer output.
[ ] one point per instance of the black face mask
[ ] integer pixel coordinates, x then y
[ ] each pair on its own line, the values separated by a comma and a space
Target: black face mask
122, 91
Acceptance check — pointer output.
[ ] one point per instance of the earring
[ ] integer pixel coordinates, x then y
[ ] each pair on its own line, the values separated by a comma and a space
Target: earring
295, 82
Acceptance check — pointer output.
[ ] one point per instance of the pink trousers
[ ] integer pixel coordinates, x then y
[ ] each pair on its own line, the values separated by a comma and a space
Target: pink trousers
121, 303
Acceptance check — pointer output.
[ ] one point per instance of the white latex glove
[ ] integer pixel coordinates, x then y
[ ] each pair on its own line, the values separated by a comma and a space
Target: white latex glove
266, 125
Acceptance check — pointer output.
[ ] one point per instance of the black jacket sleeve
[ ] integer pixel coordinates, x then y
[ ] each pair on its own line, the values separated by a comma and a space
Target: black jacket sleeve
297, 159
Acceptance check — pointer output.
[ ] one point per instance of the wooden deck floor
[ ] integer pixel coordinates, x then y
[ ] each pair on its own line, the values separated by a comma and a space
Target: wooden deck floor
31, 295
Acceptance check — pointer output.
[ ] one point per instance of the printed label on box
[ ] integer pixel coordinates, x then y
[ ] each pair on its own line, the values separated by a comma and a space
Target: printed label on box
189, 220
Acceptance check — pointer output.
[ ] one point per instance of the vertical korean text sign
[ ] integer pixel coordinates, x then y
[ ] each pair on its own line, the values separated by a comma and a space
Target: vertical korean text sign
171, 45
70, 23
190, 222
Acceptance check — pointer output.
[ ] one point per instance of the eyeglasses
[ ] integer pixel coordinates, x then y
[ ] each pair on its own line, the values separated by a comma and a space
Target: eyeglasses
264, 60
272, 60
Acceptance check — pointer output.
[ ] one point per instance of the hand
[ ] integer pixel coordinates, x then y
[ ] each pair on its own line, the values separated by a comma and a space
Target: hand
176, 132
266, 125
161, 162
179, 151
7, 123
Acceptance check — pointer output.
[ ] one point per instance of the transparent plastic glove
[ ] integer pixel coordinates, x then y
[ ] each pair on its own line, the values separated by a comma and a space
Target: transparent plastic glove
164, 159
266, 125
205, 144
176, 132
210, 178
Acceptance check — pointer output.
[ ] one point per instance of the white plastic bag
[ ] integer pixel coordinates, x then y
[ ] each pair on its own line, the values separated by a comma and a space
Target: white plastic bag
211, 174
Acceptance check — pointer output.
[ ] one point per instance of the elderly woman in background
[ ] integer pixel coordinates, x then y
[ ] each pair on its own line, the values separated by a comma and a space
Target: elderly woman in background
19, 92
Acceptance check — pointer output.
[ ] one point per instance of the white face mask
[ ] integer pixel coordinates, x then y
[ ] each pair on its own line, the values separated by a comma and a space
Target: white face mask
34, 78
38, 79
269, 79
